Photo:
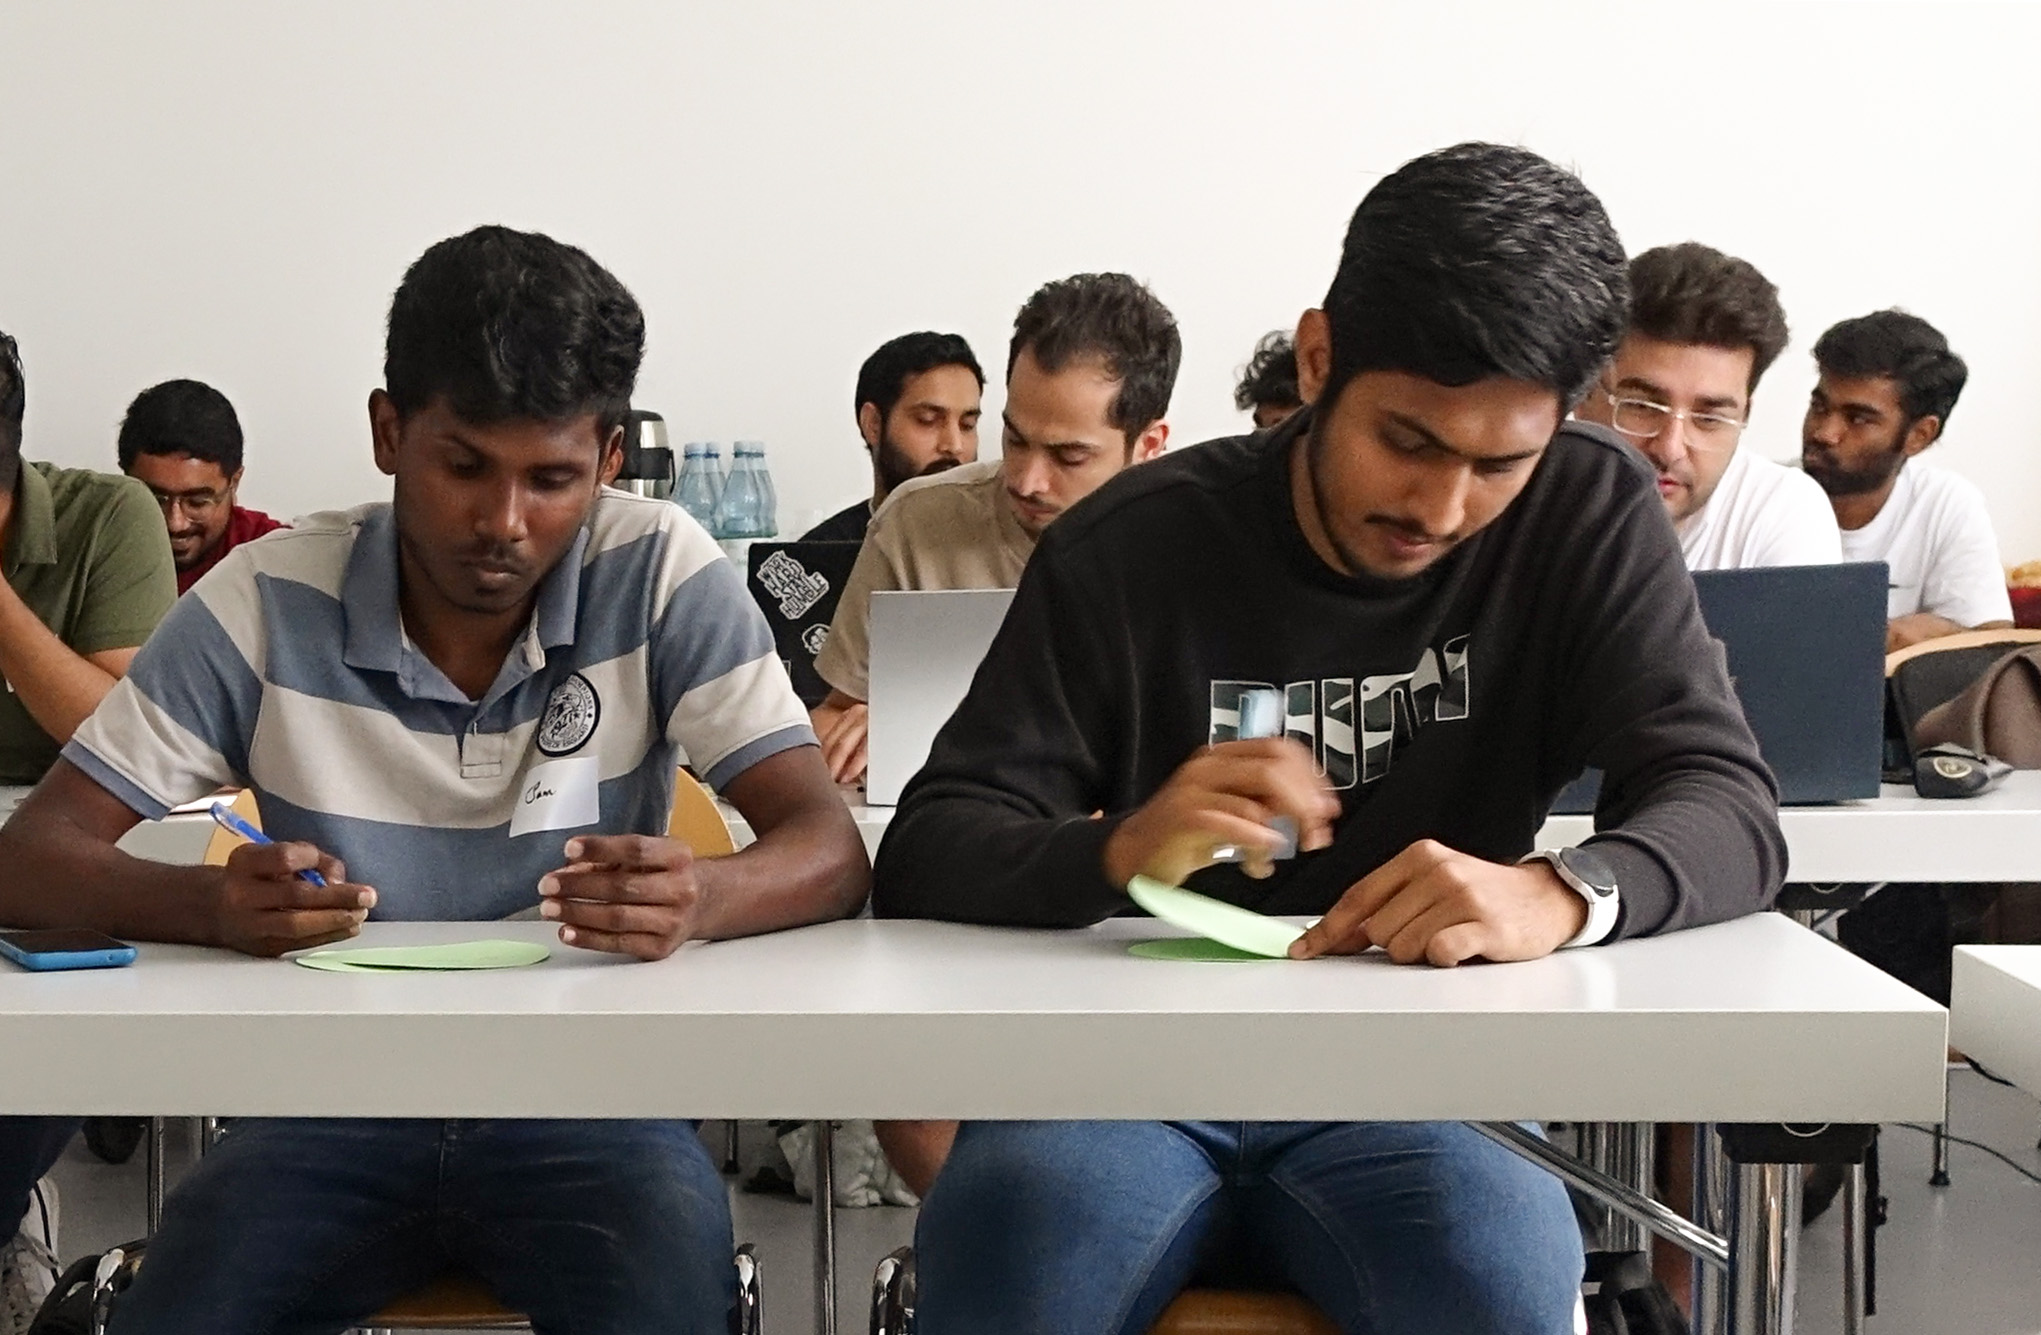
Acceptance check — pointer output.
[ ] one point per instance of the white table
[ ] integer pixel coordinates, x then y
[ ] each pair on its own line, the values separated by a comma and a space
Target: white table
1995, 1010
1756, 1020
1897, 836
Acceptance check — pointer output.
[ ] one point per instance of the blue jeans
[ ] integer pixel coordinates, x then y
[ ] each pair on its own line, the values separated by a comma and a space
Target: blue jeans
29, 1148
311, 1226
1391, 1228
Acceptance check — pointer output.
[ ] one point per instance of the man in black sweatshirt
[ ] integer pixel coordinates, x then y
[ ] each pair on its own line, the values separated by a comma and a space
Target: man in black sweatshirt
1461, 600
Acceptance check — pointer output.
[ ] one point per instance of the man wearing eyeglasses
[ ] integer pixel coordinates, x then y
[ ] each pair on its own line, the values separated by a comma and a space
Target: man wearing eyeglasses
1704, 327
182, 441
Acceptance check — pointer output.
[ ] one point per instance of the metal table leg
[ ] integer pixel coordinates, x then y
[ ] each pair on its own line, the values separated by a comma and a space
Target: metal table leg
825, 1228
1764, 1223
1710, 1292
1633, 1161
1856, 1228
156, 1142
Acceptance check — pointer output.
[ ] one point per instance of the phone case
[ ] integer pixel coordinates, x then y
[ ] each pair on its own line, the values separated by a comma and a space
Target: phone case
43, 961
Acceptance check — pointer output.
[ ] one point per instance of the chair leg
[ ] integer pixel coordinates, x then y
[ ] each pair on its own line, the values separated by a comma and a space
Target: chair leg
730, 1160
893, 1294
750, 1292
1940, 1176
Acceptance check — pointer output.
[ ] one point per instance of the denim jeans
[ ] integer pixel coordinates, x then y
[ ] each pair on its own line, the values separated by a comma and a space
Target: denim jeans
1391, 1228
300, 1226
29, 1148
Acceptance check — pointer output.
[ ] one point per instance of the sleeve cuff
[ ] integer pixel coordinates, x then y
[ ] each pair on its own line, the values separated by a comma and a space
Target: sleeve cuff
749, 754
1641, 884
111, 779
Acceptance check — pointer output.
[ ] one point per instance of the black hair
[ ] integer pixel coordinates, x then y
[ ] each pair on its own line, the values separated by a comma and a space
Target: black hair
13, 400
1695, 294
181, 417
1270, 376
512, 325
1475, 261
1902, 348
1114, 319
884, 376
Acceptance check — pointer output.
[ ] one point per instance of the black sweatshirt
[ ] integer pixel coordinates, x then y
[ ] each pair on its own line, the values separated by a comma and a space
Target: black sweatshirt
1452, 705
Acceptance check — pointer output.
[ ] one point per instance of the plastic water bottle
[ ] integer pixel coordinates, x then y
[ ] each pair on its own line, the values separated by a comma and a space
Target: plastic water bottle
769, 507
712, 464
698, 489
741, 514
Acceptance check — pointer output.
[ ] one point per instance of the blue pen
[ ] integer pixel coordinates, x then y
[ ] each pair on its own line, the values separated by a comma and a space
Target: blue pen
227, 820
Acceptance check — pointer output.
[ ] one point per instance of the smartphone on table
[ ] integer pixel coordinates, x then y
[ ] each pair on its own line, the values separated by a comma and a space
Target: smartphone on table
47, 949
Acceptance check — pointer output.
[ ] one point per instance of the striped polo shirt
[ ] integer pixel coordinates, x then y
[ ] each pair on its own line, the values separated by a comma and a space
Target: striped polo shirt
287, 670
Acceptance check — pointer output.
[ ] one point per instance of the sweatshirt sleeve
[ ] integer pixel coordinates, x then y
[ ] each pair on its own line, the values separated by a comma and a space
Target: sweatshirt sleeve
998, 827
1688, 816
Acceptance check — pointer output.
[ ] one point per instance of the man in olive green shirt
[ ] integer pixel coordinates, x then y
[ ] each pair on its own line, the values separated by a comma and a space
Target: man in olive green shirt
88, 574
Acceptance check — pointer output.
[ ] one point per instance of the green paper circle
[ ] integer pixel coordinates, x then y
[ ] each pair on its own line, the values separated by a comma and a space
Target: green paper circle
1195, 948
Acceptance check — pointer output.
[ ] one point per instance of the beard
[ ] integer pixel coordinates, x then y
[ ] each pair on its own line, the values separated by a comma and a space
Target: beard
1840, 479
895, 467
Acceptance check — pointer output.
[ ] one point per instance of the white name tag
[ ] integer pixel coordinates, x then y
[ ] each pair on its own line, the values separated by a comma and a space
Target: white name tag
558, 795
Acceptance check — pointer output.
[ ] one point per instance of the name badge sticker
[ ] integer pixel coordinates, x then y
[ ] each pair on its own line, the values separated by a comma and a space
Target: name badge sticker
558, 795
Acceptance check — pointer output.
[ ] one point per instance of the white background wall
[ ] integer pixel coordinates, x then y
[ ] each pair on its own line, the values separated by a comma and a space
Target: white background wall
230, 190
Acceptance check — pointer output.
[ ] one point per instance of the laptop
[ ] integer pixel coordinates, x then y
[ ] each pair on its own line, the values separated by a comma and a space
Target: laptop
796, 585
1806, 648
925, 649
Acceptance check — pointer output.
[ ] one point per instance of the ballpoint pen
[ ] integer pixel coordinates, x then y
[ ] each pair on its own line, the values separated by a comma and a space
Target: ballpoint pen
227, 820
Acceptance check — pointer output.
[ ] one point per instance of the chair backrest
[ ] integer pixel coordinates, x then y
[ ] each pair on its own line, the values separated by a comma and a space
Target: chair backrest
224, 840
697, 821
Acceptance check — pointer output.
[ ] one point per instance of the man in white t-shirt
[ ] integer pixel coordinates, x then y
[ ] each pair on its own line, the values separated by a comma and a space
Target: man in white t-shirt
1888, 384
1704, 327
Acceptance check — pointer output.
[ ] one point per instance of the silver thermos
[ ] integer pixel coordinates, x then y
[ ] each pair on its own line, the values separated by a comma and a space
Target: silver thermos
648, 460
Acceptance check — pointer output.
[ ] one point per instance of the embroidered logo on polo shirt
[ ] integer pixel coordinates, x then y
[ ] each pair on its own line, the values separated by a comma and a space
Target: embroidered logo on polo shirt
572, 712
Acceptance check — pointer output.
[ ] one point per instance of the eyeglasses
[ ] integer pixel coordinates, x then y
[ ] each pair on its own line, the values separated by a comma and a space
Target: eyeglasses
1641, 419
197, 504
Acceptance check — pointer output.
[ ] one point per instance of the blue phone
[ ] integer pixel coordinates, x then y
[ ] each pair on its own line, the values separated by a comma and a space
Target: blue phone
65, 948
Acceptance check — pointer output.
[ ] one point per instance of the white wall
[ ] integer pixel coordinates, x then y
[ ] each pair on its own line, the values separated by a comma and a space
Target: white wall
230, 189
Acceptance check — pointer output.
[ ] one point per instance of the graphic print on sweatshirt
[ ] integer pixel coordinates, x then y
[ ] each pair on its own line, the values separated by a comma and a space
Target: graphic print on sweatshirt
1353, 727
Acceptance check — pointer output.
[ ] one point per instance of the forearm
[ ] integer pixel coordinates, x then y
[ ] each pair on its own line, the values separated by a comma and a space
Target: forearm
55, 873
811, 867
58, 687
1703, 846
970, 859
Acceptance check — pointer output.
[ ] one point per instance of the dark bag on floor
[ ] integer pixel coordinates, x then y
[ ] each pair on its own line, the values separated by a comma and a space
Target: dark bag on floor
1623, 1299
1909, 930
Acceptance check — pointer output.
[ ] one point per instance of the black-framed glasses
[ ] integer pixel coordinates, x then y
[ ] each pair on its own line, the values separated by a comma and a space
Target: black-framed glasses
1642, 419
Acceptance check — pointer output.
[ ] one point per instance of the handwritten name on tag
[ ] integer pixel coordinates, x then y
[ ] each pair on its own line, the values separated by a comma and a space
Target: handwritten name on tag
558, 795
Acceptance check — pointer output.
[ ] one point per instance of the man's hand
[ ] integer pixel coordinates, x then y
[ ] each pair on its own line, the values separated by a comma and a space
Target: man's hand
632, 894
1901, 632
266, 908
843, 725
1436, 904
1224, 795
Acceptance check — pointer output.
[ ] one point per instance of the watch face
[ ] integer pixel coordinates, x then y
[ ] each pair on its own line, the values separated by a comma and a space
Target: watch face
1592, 869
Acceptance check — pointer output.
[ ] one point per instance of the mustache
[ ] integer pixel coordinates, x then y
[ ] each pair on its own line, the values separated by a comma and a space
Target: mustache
940, 464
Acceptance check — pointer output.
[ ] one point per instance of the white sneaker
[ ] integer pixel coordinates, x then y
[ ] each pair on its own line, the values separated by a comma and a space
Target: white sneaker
28, 1262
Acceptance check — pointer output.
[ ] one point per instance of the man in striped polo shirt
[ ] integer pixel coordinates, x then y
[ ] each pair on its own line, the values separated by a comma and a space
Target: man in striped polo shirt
397, 682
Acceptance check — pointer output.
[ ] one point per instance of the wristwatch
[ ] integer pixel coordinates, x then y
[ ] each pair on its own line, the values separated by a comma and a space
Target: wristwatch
1588, 875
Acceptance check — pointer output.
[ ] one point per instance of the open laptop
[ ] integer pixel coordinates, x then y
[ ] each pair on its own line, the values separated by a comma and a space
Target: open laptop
925, 649
796, 585
1806, 648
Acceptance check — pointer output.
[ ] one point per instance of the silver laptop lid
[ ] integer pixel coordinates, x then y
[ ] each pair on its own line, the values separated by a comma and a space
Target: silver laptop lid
925, 648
